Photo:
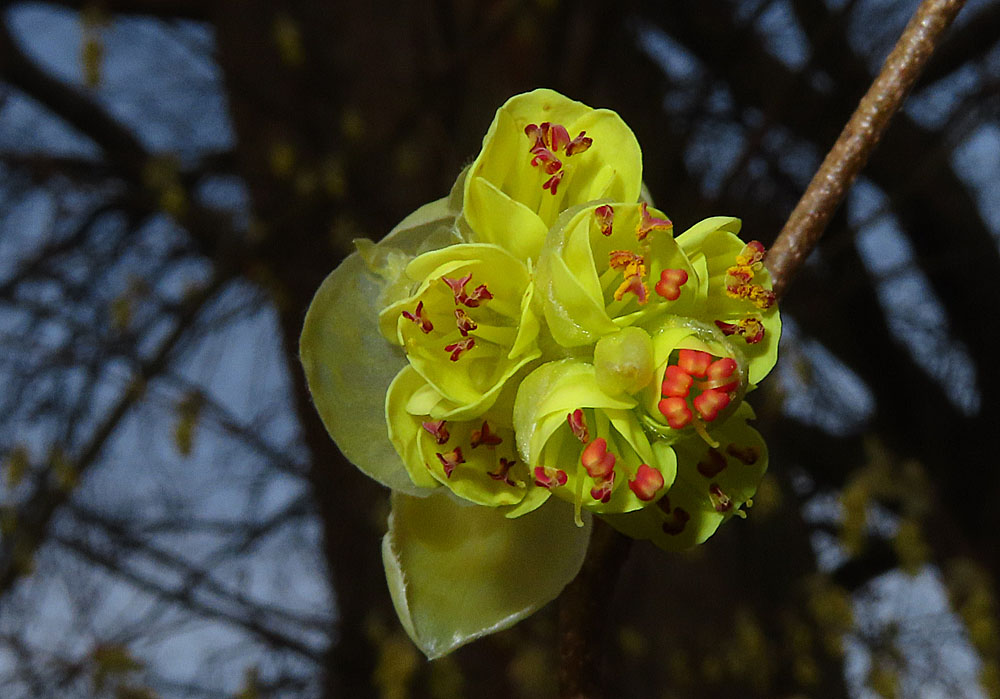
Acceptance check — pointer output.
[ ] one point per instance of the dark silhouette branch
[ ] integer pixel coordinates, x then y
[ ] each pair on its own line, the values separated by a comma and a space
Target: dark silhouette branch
859, 138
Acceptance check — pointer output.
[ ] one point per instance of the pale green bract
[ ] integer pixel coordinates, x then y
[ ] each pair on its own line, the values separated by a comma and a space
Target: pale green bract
533, 350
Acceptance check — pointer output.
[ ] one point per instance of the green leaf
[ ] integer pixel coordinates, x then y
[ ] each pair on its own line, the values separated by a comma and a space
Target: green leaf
458, 572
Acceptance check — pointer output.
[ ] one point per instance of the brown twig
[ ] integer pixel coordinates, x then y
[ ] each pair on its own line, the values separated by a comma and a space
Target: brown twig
859, 138
583, 614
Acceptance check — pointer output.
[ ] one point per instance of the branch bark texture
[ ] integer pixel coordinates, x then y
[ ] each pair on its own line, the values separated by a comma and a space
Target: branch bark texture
859, 138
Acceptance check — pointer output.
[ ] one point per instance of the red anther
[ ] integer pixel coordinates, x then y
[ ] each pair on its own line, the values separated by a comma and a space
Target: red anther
546, 477
456, 348
503, 471
480, 293
713, 464
596, 458
671, 281
694, 362
464, 322
602, 490
418, 318
676, 382
633, 285
747, 454
709, 403
484, 436
534, 132
750, 329
648, 222
552, 184
676, 525
752, 253
676, 411
605, 216
720, 501
450, 460
647, 482
437, 430
578, 425
581, 143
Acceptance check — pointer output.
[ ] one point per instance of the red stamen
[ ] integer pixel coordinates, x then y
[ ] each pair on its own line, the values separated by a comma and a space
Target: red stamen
633, 285
671, 281
709, 403
451, 460
747, 454
437, 430
717, 373
602, 490
484, 436
480, 293
676, 411
457, 348
557, 136
720, 501
503, 471
605, 218
464, 322
596, 458
750, 329
457, 287
713, 464
546, 477
626, 259
552, 184
580, 144
648, 223
417, 317
676, 382
578, 425
694, 362
752, 253
646, 483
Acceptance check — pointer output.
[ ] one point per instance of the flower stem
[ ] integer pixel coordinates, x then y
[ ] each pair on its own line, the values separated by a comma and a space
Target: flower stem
584, 608
858, 139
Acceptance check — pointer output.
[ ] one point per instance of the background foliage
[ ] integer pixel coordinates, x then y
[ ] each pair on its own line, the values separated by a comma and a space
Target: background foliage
178, 176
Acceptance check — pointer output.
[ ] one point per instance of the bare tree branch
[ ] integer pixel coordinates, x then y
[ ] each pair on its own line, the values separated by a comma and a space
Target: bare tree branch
859, 138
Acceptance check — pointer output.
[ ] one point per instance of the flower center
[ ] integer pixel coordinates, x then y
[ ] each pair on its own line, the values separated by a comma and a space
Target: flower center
547, 141
686, 402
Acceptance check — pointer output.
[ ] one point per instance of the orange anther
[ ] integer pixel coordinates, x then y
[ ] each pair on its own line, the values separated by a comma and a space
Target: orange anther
709, 403
596, 458
671, 281
694, 362
647, 482
676, 411
676, 382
